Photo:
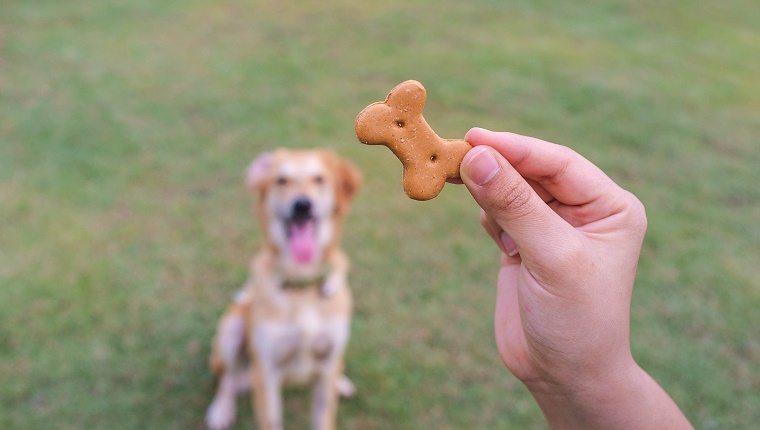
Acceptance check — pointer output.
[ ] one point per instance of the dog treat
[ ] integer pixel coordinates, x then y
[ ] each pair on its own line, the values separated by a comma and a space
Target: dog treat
397, 123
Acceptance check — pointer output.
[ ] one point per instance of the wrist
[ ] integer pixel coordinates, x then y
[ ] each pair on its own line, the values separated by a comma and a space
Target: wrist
589, 397
626, 399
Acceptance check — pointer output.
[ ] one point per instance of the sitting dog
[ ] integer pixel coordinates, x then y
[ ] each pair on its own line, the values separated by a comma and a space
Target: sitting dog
290, 322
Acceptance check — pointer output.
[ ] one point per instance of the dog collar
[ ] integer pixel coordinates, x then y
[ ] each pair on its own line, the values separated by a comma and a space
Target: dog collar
300, 284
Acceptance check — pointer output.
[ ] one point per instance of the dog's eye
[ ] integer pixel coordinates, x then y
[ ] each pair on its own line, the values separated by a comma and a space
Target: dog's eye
319, 179
282, 180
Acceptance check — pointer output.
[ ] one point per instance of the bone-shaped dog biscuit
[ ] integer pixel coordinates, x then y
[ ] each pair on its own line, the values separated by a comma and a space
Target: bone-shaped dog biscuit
397, 123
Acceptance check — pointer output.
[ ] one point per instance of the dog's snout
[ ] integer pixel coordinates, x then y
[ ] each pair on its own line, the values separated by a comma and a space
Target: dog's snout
302, 208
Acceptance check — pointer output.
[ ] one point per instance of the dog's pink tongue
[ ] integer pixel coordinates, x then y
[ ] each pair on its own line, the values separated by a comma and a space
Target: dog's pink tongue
303, 244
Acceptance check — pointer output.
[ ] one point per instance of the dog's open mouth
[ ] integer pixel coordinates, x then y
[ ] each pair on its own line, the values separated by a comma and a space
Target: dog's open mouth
302, 240
302, 233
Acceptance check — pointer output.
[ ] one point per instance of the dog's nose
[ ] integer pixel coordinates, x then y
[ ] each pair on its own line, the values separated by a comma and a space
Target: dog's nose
302, 208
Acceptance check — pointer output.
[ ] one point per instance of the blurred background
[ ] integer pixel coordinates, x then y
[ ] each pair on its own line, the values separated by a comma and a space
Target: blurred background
125, 228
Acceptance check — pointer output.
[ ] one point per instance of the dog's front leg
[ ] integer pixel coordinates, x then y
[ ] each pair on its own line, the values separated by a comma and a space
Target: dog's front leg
326, 394
268, 401
325, 397
267, 383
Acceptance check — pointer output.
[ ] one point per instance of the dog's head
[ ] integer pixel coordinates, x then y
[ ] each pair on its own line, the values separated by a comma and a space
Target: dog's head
302, 198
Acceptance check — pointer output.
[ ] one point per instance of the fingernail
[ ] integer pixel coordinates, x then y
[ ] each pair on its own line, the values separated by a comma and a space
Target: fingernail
473, 131
509, 244
482, 166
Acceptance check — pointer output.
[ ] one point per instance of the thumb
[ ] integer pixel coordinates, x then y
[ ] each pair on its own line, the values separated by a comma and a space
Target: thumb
541, 236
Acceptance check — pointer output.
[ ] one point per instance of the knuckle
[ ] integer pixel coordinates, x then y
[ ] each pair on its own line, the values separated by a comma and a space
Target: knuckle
564, 157
636, 213
512, 196
484, 221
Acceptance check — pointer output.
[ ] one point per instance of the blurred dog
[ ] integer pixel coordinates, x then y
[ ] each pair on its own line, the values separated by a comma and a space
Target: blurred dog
290, 322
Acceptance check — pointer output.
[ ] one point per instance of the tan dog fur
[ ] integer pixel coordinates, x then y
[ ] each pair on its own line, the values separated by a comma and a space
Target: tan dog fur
272, 336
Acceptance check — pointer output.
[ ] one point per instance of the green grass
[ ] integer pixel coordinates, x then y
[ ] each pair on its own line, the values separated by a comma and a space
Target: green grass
125, 228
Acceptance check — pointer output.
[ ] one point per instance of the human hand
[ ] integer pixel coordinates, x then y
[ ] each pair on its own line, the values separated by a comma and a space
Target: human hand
570, 239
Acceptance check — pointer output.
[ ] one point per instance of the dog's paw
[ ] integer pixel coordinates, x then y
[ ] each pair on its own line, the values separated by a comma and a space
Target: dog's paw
346, 388
221, 413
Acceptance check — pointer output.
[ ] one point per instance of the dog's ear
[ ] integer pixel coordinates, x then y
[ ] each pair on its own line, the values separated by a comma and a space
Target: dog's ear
258, 171
351, 181
347, 183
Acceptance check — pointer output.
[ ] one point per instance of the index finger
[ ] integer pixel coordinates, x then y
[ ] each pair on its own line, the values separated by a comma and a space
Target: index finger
565, 174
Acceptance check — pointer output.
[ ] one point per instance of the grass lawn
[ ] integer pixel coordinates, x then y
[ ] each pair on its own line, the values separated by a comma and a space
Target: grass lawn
125, 227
